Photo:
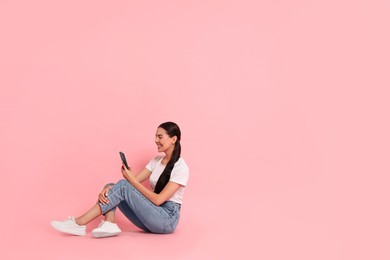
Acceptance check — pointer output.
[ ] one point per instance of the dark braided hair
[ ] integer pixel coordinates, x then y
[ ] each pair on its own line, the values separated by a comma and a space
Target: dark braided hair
172, 130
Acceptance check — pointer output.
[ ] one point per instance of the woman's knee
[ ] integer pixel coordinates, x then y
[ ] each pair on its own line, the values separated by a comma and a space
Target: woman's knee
123, 182
108, 185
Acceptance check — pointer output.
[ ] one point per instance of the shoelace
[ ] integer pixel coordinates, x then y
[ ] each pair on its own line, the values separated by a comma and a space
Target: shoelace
101, 223
70, 219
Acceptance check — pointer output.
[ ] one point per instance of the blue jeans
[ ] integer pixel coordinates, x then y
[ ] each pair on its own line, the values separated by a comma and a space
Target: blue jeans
141, 211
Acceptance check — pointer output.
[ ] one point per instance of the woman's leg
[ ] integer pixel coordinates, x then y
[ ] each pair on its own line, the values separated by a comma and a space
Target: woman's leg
141, 211
110, 216
94, 212
155, 218
107, 228
77, 226
88, 216
130, 215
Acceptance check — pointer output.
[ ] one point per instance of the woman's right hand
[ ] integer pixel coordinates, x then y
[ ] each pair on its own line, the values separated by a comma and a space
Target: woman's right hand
103, 195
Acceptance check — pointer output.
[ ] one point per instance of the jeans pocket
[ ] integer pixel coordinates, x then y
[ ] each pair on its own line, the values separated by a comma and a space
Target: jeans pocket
172, 209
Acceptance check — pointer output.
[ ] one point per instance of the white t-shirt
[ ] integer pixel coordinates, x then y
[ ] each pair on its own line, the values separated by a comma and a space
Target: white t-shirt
180, 174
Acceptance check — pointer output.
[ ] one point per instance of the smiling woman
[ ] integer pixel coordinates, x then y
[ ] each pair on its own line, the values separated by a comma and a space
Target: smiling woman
156, 211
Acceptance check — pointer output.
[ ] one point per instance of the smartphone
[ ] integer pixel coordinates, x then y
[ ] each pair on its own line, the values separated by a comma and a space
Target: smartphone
123, 157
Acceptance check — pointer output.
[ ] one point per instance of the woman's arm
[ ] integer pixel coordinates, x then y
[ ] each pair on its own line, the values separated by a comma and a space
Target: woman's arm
143, 175
156, 199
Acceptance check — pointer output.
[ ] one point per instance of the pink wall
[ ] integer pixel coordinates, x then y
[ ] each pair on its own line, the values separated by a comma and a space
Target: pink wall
284, 108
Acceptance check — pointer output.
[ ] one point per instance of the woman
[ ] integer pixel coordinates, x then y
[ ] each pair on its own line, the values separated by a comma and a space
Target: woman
155, 211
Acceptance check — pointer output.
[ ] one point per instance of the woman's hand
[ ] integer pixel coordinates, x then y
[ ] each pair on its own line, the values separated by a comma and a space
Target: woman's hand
103, 195
127, 174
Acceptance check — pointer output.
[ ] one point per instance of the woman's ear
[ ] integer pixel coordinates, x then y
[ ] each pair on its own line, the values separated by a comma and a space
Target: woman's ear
174, 139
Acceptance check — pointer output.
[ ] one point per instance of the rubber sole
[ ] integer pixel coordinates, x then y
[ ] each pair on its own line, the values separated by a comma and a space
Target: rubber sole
67, 231
99, 234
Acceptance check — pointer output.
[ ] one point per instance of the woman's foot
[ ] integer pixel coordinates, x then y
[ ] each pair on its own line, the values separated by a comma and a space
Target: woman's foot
106, 229
69, 226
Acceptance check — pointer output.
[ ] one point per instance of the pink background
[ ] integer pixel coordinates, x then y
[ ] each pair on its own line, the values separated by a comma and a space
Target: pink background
283, 105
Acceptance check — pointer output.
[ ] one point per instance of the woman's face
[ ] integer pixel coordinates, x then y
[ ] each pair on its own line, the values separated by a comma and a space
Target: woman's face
164, 142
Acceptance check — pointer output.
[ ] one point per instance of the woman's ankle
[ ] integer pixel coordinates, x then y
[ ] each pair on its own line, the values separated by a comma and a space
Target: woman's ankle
110, 216
79, 222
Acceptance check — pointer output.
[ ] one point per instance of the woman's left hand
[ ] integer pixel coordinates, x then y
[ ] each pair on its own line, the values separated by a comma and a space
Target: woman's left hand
127, 174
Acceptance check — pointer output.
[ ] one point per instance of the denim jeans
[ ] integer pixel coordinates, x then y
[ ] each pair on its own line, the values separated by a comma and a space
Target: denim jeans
141, 211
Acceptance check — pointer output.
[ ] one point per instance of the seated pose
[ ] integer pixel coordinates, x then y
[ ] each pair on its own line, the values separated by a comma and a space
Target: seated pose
156, 211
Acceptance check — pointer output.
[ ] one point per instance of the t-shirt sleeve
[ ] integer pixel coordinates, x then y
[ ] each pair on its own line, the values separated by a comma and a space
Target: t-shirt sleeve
152, 164
180, 173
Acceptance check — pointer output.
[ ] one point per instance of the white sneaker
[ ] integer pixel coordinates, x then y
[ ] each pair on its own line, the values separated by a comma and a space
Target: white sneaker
106, 229
69, 226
